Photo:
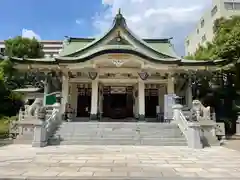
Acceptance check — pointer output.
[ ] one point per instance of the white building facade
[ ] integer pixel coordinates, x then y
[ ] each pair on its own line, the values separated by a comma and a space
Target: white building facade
204, 30
118, 76
51, 48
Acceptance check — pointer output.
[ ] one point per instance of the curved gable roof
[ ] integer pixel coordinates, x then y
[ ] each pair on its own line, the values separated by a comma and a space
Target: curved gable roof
157, 48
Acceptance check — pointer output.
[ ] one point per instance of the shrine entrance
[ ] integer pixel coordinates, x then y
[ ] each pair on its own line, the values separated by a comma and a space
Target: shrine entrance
117, 102
151, 103
84, 102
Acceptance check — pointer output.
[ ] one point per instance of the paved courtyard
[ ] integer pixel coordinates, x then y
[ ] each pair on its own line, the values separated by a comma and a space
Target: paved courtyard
118, 162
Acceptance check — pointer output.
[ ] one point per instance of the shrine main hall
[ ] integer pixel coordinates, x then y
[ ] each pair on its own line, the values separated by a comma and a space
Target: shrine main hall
118, 75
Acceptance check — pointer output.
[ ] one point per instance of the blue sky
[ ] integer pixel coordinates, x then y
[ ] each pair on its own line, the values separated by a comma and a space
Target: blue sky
54, 19
51, 19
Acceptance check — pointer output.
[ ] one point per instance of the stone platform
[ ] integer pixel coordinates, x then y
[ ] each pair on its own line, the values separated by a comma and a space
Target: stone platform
118, 162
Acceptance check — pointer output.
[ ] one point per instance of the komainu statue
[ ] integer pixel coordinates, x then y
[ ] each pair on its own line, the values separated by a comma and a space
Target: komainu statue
33, 109
202, 113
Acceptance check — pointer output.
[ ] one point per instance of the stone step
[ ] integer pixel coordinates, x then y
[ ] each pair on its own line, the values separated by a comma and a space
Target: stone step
117, 138
98, 133
176, 143
115, 133
105, 135
124, 140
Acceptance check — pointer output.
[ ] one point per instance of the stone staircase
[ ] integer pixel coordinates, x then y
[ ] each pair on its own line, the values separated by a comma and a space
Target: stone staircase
118, 133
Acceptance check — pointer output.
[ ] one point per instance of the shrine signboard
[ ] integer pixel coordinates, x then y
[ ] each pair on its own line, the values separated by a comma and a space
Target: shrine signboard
168, 106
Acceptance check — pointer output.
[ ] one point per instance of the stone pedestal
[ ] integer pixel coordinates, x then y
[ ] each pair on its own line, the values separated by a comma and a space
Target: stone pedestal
209, 137
194, 136
40, 134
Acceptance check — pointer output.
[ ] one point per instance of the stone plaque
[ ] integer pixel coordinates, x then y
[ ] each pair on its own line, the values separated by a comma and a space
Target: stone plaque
220, 129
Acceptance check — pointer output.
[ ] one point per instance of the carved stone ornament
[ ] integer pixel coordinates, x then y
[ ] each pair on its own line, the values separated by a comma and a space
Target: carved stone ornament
118, 62
92, 75
143, 75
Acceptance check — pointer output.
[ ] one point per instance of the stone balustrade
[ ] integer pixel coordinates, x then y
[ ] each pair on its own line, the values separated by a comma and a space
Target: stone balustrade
199, 129
45, 128
38, 129
190, 130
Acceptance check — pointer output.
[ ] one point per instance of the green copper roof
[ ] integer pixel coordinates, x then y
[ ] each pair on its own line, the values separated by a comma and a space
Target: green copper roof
71, 45
167, 48
160, 45
122, 36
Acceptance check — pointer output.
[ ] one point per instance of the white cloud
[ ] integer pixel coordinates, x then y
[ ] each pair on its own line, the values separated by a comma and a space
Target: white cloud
154, 18
79, 21
30, 34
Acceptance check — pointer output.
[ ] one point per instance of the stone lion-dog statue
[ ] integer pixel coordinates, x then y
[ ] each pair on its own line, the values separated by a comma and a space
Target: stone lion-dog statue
33, 109
202, 113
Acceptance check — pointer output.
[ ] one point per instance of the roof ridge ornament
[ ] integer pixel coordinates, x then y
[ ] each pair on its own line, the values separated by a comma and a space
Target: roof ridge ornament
119, 11
119, 20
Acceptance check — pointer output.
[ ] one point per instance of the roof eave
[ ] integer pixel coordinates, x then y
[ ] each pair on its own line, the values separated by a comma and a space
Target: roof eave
129, 51
33, 61
203, 62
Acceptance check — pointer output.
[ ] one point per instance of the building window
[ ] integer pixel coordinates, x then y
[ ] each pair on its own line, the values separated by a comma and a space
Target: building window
214, 10
236, 6
228, 5
202, 23
204, 38
197, 31
188, 42
232, 5
2, 50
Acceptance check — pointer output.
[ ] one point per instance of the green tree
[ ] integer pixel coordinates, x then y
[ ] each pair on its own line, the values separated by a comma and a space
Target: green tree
225, 45
10, 78
23, 48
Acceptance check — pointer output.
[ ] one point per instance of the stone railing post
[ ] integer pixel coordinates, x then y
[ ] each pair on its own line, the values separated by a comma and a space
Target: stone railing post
176, 111
40, 131
194, 136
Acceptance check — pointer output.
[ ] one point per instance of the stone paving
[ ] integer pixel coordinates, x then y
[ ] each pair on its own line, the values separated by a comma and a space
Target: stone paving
118, 162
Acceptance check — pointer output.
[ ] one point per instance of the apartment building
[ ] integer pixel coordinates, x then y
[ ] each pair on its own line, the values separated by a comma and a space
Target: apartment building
204, 29
51, 48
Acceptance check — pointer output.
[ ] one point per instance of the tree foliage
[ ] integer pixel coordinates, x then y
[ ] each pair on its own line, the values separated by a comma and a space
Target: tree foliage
10, 78
23, 47
225, 44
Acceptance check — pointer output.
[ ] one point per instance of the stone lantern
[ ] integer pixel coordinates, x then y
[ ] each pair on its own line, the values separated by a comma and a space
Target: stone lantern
178, 100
